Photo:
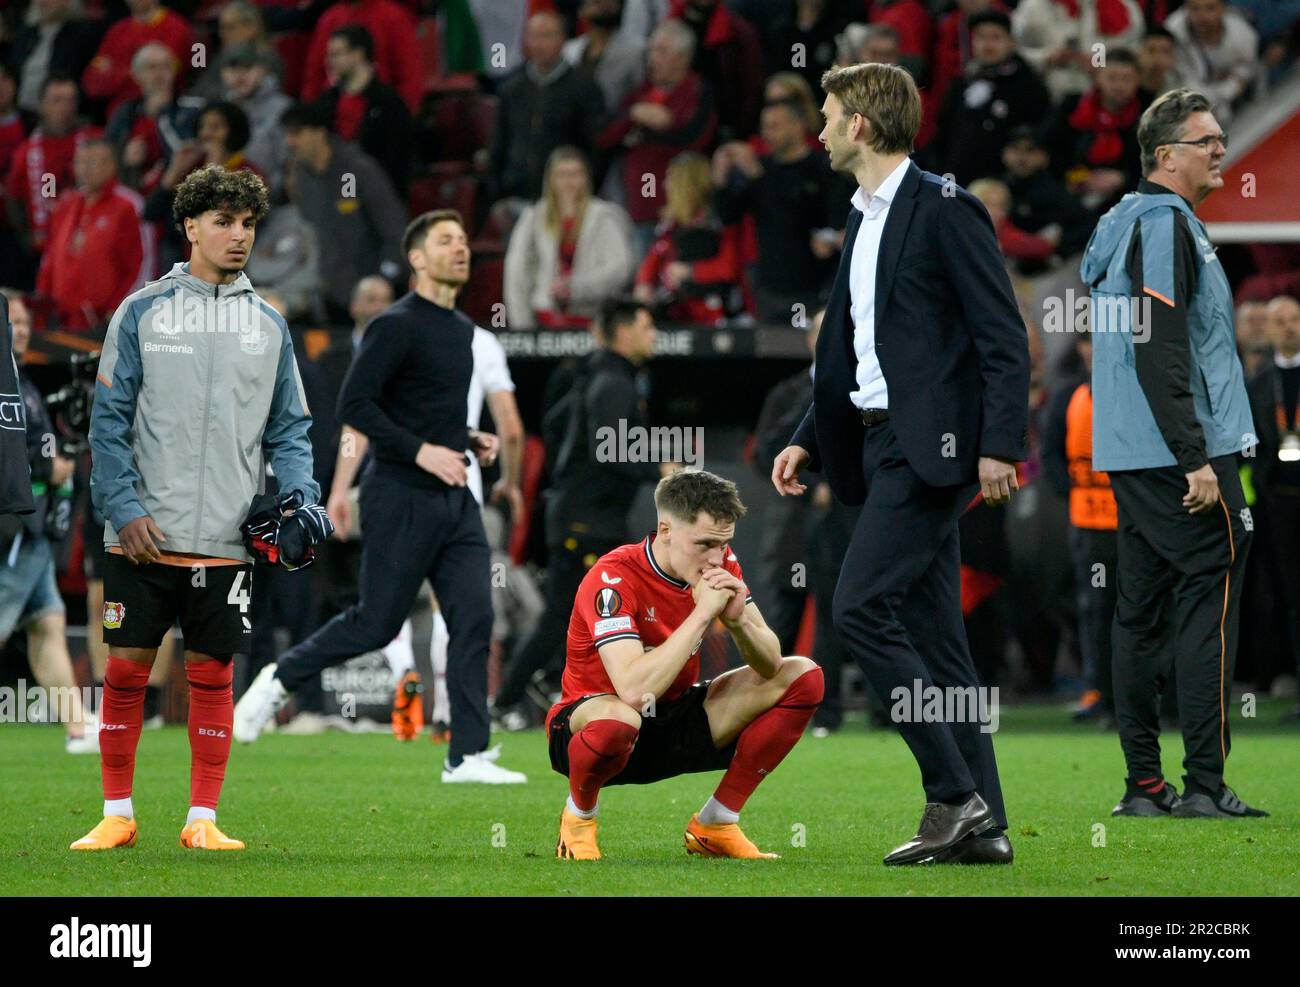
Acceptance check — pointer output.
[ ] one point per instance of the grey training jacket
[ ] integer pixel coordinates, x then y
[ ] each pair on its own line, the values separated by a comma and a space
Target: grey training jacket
197, 388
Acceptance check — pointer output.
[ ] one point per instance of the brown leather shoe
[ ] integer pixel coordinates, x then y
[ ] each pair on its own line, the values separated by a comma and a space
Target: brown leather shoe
941, 827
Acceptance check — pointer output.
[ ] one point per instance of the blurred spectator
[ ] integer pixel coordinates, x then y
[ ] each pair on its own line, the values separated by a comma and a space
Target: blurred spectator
344, 194
1092, 138
99, 250
1275, 402
613, 59
1253, 344
1067, 467
798, 208
42, 166
952, 48
239, 23
545, 104
693, 266
146, 130
222, 136
568, 253
13, 122
793, 88
397, 54
108, 77
365, 110
1065, 39
642, 17
805, 39
56, 40
998, 92
286, 260
880, 44
1218, 52
1017, 245
1039, 203
248, 83
1156, 60
1275, 23
671, 112
915, 30
729, 56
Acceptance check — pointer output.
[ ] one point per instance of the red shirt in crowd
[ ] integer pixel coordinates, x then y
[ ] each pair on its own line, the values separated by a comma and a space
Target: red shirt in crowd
913, 23
627, 596
36, 157
397, 53
723, 269
108, 76
649, 152
96, 254
349, 114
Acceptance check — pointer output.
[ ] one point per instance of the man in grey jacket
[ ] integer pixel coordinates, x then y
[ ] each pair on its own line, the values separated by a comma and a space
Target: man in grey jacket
350, 201
197, 386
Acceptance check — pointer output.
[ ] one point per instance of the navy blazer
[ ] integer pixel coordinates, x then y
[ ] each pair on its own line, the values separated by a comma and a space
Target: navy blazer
949, 337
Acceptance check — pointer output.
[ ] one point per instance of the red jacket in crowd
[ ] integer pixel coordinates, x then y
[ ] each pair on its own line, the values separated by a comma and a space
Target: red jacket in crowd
397, 53
108, 76
96, 254
913, 23
694, 301
40, 155
649, 151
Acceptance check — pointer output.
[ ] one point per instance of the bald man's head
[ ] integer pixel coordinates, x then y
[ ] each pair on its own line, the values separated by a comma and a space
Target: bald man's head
370, 296
1284, 324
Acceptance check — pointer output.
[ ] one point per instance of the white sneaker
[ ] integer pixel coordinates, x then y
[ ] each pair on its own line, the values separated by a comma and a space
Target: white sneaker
155, 722
482, 769
257, 707
88, 743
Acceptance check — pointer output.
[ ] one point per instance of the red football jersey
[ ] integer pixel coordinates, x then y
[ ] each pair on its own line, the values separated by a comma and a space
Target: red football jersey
626, 595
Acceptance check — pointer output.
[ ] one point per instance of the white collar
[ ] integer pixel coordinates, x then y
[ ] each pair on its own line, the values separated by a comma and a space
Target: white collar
888, 188
1286, 362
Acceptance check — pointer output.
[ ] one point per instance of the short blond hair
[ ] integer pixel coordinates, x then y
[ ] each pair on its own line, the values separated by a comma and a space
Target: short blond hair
884, 94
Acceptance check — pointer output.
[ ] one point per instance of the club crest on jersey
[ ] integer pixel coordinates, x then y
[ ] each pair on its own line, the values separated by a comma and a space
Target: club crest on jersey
114, 614
608, 602
255, 340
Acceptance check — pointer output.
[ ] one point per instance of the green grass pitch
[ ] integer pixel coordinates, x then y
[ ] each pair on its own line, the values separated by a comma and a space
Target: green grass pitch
364, 815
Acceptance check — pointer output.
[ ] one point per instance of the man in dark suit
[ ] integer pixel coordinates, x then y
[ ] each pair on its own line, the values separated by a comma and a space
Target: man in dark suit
920, 402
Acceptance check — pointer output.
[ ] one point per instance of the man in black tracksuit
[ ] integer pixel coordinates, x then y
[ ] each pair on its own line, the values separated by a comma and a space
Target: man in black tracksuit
587, 505
407, 392
1171, 419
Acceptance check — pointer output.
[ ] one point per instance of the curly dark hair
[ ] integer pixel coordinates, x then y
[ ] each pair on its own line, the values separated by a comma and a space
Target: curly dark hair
213, 187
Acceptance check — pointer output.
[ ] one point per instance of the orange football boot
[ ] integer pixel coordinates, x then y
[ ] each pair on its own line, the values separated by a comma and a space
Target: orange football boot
721, 841
408, 707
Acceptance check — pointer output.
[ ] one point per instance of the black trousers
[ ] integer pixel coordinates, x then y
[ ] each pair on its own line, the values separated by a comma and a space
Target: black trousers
410, 534
898, 610
1178, 601
1095, 591
567, 566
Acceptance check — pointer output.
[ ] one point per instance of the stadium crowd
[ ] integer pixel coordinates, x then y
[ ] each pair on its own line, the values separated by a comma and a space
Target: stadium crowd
662, 149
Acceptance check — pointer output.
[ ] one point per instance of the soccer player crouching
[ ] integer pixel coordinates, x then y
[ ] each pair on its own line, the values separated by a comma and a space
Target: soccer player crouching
631, 711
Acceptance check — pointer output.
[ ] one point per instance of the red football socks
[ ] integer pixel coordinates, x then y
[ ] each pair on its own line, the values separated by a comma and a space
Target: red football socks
763, 744
212, 717
120, 718
597, 753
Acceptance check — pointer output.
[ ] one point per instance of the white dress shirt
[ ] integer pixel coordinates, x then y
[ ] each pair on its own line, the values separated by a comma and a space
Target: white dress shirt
871, 391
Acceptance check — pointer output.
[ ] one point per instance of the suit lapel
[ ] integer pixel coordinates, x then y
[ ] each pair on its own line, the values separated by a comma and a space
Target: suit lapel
841, 299
893, 237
